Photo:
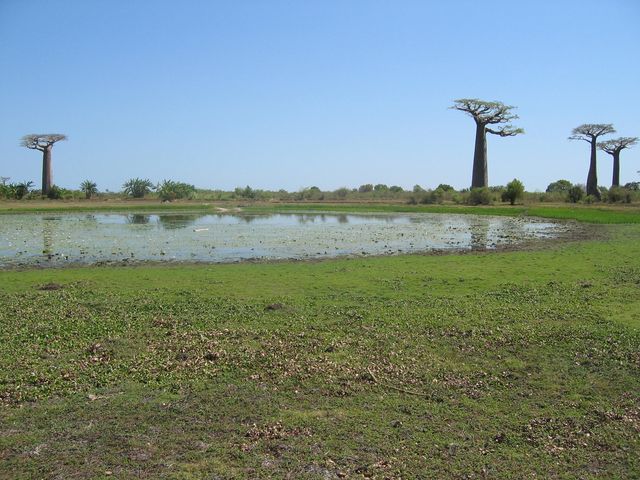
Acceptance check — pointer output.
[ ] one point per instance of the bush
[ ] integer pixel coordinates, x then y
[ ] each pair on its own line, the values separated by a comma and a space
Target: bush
575, 193
341, 192
137, 187
169, 190
635, 186
445, 188
366, 188
479, 196
513, 192
396, 189
55, 192
433, 196
617, 194
562, 186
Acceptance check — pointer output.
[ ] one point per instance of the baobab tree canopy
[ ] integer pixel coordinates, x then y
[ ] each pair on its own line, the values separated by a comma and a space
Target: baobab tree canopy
44, 143
496, 114
490, 113
589, 132
617, 144
41, 141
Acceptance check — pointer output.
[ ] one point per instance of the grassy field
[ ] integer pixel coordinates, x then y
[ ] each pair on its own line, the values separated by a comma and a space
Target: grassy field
485, 365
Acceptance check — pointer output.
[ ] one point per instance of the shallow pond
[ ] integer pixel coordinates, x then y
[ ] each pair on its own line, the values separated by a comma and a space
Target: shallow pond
61, 239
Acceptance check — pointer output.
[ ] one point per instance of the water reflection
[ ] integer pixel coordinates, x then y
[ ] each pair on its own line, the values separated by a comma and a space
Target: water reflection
223, 237
174, 222
138, 219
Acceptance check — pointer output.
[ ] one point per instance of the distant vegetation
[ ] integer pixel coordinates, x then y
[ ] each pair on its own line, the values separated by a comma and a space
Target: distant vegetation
171, 190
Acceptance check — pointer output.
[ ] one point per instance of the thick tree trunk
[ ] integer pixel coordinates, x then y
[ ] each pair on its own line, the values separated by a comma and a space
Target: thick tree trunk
592, 178
616, 169
46, 170
480, 176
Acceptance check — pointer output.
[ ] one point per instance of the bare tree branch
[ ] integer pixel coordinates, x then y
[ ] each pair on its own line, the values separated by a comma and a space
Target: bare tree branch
40, 141
486, 113
617, 144
590, 131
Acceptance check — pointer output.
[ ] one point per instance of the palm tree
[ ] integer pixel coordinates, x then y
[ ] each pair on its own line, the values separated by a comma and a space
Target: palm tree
89, 188
137, 187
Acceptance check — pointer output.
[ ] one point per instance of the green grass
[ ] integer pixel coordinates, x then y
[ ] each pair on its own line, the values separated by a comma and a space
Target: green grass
496, 365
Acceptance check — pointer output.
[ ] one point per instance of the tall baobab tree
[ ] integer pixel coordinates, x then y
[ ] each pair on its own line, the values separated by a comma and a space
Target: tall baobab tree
589, 132
486, 114
613, 147
43, 143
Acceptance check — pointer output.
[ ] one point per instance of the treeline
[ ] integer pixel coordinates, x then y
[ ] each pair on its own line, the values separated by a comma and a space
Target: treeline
170, 190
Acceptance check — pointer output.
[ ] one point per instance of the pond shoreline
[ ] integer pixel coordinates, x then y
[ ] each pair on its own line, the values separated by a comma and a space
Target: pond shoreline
573, 231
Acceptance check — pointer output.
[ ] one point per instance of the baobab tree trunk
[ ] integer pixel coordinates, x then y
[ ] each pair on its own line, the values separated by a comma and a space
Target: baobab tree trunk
616, 169
592, 177
480, 177
46, 170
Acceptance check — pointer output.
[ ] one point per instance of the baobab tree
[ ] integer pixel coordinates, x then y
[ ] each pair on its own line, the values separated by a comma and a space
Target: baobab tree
589, 132
43, 143
613, 147
486, 114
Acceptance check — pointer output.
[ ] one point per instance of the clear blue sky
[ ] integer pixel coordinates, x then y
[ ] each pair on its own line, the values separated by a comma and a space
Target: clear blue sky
289, 94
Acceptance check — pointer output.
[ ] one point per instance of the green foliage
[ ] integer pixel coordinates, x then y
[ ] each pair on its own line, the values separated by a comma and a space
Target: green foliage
445, 187
513, 192
635, 186
169, 190
396, 189
561, 186
575, 193
15, 191
417, 189
137, 187
479, 196
366, 188
341, 193
89, 188
246, 192
618, 194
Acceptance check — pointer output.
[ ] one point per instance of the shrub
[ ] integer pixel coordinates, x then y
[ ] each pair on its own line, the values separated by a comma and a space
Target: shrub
575, 193
137, 187
21, 190
396, 189
479, 196
417, 189
55, 192
341, 192
169, 190
513, 192
559, 186
380, 187
445, 188
635, 186
433, 196
617, 194
366, 188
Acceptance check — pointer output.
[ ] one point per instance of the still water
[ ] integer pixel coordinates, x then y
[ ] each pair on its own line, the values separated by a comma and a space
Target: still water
68, 239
